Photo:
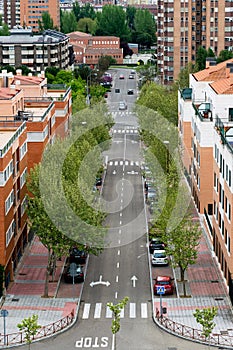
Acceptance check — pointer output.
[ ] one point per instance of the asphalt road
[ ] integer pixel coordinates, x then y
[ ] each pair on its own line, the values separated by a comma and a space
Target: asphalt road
123, 269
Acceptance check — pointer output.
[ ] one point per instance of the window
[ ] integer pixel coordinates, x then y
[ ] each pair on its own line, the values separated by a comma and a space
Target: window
23, 178
230, 114
9, 201
10, 232
23, 150
23, 205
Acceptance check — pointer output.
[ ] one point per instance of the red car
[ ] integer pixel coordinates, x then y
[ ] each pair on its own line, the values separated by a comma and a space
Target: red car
165, 281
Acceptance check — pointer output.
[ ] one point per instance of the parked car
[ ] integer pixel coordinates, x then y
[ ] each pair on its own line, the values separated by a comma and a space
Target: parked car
130, 92
121, 76
78, 256
132, 71
156, 244
117, 91
131, 76
74, 273
165, 281
159, 257
122, 106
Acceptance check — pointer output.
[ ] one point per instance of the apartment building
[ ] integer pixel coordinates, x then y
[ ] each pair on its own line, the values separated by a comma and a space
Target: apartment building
184, 26
206, 133
32, 114
37, 52
88, 49
28, 13
13, 171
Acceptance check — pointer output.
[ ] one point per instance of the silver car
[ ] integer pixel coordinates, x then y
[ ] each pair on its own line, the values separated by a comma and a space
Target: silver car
122, 106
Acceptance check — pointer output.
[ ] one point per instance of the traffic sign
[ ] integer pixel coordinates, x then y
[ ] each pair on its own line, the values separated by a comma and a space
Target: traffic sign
160, 290
4, 313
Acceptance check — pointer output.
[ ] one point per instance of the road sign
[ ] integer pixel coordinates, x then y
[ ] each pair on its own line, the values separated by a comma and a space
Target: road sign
4, 313
160, 290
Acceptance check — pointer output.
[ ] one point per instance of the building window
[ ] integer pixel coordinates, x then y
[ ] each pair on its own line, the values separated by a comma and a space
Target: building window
23, 205
23, 150
23, 178
10, 232
9, 202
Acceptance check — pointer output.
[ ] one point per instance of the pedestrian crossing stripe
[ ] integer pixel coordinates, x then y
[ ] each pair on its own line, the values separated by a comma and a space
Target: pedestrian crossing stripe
123, 162
101, 309
125, 131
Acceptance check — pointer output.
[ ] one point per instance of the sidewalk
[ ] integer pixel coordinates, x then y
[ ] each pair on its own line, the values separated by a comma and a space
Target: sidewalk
24, 296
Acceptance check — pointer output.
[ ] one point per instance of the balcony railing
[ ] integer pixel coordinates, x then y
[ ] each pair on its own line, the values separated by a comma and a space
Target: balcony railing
205, 115
219, 126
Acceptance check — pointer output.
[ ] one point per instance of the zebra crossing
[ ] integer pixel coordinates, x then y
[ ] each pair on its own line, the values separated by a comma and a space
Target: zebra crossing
100, 310
125, 131
123, 162
119, 113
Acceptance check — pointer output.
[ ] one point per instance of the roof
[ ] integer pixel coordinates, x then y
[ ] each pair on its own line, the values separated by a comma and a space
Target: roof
223, 86
27, 80
213, 73
19, 36
5, 136
7, 93
81, 34
102, 50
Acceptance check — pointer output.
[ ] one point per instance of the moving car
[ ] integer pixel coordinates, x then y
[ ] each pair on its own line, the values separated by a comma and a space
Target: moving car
156, 244
74, 273
117, 91
78, 256
130, 92
131, 76
121, 76
132, 71
122, 106
165, 281
159, 257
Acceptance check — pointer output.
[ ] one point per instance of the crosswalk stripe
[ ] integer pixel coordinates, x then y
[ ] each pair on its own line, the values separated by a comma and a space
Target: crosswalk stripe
132, 310
126, 162
110, 163
97, 313
144, 310
108, 312
121, 162
86, 311
116, 162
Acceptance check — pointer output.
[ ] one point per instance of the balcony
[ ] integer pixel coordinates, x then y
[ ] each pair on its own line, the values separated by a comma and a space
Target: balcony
225, 132
203, 111
186, 94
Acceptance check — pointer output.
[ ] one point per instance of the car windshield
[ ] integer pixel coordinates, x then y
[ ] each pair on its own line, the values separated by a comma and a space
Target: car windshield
159, 255
162, 283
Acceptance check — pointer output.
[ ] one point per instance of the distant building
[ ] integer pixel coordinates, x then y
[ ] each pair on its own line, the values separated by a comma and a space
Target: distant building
88, 49
27, 13
37, 52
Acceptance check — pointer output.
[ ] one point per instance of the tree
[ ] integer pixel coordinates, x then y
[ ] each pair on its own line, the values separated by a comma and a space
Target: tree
87, 25
30, 327
205, 317
46, 22
183, 77
201, 58
105, 62
112, 21
144, 28
130, 16
87, 11
76, 10
68, 22
4, 31
25, 70
116, 309
224, 55
182, 243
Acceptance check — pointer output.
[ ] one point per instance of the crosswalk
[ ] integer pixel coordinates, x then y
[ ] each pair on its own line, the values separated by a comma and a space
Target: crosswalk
125, 131
119, 113
100, 310
123, 162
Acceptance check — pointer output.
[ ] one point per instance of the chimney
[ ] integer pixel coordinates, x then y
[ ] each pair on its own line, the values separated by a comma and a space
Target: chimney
19, 72
17, 83
42, 74
229, 65
30, 74
210, 61
12, 89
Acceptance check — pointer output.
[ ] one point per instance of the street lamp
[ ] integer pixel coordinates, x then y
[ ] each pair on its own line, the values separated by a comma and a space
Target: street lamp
87, 89
167, 143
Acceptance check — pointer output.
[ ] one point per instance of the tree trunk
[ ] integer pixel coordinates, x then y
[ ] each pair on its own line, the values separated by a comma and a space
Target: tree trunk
182, 271
48, 269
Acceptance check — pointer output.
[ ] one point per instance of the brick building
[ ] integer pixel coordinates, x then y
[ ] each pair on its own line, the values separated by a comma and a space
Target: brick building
32, 114
184, 26
206, 132
88, 49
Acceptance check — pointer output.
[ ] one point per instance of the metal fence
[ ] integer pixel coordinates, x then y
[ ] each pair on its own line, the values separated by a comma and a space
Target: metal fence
192, 333
45, 331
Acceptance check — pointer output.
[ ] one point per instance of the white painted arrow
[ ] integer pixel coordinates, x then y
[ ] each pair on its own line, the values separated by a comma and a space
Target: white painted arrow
117, 141
92, 284
134, 279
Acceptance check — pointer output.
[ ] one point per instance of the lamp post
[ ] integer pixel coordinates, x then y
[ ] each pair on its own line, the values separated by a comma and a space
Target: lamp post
87, 89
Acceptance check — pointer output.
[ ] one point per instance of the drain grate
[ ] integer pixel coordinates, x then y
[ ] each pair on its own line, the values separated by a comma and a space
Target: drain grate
215, 281
218, 299
15, 299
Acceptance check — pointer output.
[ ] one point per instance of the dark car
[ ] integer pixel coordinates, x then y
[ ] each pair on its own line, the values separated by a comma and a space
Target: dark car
166, 282
74, 273
130, 92
156, 244
117, 91
78, 256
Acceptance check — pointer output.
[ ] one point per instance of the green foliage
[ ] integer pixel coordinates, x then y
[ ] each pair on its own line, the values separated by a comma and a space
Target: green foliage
2, 274
183, 78
201, 58
30, 327
105, 62
46, 22
224, 55
86, 11
205, 317
4, 31
87, 25
116, 309
112, 21
130, 16
25, 70
68, 22
144, 28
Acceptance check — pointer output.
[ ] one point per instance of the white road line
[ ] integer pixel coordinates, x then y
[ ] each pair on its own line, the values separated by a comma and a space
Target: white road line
119, 241
121, 162
116, 295
120, 222
122, 313
118, 265
119, 231
86, 311
121, 194
97, 313
132, 310
110, 163
126, 162
120, 214
118, 252
131, 163
121, 207
117, 278
108, 313
137, 163
144, 310
121, 200
116, 162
